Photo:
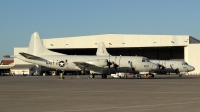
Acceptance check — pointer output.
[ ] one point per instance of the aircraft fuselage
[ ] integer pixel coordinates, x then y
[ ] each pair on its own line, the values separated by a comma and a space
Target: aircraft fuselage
66, 62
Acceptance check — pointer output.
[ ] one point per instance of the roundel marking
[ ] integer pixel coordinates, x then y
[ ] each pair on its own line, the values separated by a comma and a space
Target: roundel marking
61, 63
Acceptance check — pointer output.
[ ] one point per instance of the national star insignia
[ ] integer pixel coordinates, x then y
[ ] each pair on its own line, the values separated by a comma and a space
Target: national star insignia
61, 63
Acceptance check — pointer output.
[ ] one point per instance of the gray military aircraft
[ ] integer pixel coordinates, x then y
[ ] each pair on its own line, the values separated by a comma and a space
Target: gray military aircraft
173, 66
165, 66
102, 51
39, 55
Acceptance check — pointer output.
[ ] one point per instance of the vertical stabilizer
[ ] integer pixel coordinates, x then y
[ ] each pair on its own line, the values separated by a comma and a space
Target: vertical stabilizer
36, 47
101, 50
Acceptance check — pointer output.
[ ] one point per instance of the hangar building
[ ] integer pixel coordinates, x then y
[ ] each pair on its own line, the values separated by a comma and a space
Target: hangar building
163, 47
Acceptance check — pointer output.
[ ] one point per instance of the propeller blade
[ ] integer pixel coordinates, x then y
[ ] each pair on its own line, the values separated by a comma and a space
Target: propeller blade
161, 67
177, 71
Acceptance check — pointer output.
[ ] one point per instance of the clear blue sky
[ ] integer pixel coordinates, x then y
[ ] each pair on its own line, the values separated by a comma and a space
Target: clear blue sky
63, 18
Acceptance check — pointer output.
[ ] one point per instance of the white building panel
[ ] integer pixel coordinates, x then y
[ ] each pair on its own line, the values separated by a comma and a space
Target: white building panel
194, 57
117, 40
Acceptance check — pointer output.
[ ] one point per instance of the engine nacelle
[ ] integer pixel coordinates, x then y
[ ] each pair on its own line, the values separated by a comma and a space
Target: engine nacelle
98, 62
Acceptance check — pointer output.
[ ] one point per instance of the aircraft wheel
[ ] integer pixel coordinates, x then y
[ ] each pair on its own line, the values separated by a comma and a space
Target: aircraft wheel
90, 76
104, 76
93, 76
139, 76
125, 76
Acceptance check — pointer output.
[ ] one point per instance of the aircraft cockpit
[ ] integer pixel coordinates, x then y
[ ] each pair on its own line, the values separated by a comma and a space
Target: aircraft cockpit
145, 60
184, 63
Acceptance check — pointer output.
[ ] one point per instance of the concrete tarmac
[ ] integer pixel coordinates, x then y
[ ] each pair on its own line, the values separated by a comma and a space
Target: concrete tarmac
80, 94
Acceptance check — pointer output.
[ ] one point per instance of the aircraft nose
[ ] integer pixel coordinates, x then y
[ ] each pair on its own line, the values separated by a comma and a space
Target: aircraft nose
193, 68
155, 67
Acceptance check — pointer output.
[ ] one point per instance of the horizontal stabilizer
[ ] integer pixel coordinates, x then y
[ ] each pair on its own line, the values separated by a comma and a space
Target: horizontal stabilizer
28, 56
9, 56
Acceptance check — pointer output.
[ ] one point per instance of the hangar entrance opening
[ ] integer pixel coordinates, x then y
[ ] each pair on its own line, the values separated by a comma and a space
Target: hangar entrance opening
162, 53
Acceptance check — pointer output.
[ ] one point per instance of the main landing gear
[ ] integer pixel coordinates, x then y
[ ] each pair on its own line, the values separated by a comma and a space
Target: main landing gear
104, 76
149, 75
91, 76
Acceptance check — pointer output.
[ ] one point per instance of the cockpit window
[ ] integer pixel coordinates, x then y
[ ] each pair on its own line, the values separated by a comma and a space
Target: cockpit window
145, 60
184, 63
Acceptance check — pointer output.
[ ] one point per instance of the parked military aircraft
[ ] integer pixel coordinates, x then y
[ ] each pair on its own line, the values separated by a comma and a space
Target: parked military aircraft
173, 66
102, 51
38, 54
166, 66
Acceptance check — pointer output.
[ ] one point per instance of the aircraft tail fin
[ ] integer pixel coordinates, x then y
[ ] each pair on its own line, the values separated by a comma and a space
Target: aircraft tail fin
101, 50
37, 48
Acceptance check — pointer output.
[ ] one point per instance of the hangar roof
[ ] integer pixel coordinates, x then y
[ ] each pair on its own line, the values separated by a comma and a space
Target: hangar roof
118, 40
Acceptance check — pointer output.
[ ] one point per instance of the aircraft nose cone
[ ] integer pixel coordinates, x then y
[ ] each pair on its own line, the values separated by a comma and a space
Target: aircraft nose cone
155, 67
193, 68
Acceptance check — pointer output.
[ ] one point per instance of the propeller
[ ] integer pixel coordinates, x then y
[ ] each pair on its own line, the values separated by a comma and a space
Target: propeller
131, 65
115, 65
177, 71
111, 64
161, 67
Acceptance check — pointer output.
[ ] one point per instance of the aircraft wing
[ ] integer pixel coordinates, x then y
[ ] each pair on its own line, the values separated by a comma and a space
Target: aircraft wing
92, 64
84, 65
28, 56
